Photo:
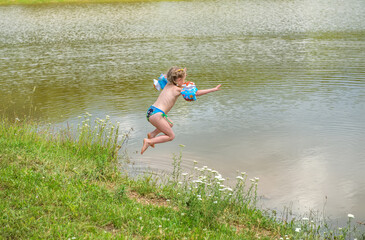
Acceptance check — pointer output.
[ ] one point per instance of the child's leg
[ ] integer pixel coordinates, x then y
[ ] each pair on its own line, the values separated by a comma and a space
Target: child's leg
162, 125
155, 132
152, 135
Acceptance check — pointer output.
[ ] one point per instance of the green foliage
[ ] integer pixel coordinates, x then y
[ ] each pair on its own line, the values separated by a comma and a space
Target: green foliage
57, 184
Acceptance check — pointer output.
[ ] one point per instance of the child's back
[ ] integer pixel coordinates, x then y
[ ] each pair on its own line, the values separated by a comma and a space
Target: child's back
168, 97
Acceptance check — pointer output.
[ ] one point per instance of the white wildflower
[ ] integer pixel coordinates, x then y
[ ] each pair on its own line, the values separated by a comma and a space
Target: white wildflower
297, 229
202, 177
350, 215
215, 202
257, 179
198, 181
239, 177
184, 174
305, 219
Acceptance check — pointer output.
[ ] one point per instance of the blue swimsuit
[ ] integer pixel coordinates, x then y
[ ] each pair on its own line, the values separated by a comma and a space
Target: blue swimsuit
153, 110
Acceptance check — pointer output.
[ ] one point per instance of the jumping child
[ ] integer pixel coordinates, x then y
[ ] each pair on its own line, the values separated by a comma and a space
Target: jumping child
156, 114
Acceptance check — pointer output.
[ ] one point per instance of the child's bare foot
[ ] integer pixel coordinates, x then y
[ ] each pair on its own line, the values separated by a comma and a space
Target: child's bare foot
149, 137
145, 145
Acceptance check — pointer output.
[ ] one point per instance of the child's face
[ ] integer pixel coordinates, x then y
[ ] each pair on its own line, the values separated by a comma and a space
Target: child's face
181, 81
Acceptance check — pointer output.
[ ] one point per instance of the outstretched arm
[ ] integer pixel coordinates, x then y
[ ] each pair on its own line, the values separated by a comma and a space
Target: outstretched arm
205, 91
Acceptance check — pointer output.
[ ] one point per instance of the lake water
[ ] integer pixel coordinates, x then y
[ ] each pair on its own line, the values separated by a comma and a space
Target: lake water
292, 106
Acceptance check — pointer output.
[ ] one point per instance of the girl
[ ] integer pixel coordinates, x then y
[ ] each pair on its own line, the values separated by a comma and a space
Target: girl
156, 114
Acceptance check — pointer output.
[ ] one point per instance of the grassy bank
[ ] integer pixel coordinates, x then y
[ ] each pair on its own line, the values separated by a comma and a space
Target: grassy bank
54, 185
28, 2
67, 184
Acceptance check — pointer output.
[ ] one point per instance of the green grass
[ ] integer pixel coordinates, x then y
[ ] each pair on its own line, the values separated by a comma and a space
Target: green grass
53, 185
67, 184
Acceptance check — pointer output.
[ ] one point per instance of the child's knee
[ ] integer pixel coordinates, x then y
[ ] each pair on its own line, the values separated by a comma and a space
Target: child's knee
171, 137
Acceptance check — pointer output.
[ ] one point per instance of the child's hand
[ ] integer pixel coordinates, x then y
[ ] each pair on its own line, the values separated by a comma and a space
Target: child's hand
217, 88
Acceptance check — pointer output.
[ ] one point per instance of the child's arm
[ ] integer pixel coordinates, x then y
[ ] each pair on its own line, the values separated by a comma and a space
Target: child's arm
205, 91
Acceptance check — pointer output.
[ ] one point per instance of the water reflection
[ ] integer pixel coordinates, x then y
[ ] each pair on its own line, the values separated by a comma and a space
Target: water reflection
291, 111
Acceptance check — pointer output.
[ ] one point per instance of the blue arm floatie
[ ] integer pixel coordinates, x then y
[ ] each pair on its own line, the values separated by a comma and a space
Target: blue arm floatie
160, 83
189, 91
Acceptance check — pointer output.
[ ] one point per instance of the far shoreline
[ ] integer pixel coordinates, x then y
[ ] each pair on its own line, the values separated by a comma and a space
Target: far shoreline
44, 2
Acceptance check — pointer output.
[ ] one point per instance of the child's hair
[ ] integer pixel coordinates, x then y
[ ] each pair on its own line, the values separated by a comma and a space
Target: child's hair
175, 73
